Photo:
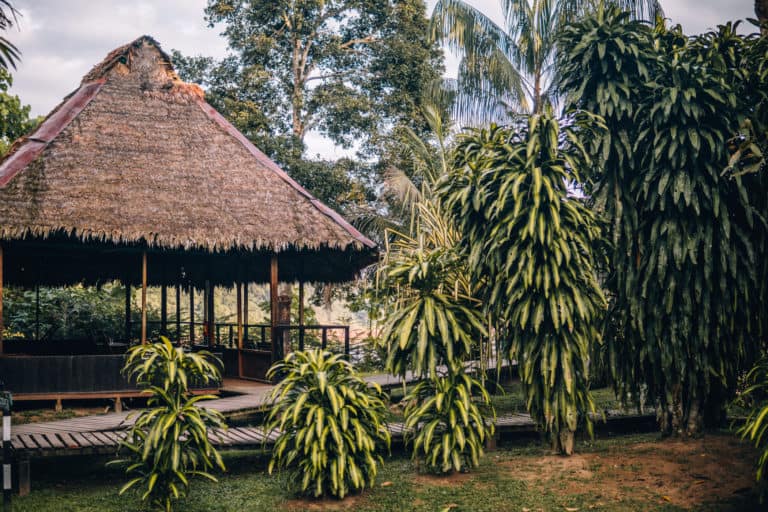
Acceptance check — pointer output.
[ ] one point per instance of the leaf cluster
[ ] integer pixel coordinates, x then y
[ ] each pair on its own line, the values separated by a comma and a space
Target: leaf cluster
329, 424
508, 195
168, 443
448, 420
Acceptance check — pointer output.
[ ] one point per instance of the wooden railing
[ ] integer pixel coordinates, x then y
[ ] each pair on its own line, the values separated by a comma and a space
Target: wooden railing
255, 335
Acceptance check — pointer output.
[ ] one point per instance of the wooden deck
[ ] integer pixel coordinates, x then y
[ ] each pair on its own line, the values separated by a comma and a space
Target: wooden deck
81, 442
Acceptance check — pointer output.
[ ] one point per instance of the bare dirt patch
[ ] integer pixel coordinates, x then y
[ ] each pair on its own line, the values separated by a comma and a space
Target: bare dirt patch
348, 503
684, 473
452, 480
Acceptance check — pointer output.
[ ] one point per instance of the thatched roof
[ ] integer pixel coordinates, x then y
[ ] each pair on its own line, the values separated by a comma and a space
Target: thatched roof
135, 157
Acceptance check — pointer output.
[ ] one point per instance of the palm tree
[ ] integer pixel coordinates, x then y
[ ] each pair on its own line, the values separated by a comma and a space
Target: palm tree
9, 54
509, 68
761, 11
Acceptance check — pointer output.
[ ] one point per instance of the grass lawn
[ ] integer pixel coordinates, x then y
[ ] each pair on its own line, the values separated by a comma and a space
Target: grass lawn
621, 474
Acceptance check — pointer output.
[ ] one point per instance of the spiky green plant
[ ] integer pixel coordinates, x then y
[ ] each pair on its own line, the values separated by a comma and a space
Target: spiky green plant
447, 420
756, 427
329, 424
686, 233
168, 443
508, 195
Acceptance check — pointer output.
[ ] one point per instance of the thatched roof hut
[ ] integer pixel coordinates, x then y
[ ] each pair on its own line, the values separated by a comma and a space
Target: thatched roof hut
136, 160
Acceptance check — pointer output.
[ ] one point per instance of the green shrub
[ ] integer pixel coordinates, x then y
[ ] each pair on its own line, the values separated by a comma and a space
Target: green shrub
446, 424
329, 422
168, 443
756, 427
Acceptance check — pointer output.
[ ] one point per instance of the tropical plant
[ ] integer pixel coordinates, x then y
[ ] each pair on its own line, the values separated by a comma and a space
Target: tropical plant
329, 424
756, 427
508, 194
9, 54
432, 317
168, 443
448, 420
510, 68
686, 233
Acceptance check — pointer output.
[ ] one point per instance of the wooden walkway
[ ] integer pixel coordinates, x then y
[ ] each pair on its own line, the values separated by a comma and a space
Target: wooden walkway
57, 443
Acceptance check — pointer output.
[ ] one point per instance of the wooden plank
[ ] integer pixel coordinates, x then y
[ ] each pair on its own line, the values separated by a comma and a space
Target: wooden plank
54, 440
68, 440
108, 441
27, 441
80, 440
256, 435
239, 436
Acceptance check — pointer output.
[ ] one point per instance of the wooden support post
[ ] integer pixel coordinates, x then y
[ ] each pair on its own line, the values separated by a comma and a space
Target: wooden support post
178, 313
245, 311
273, 308
191, 314
127, 310
1, 299
301, 315
163, 307
144, 298
239, 329
346, 342
25, 483
211, 316
207, 335
37, 312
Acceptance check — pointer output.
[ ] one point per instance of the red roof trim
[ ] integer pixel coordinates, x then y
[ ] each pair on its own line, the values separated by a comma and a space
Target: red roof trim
215, 116
47, 131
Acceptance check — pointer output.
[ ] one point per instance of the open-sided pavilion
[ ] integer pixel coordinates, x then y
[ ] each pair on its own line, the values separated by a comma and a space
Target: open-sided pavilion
134, 177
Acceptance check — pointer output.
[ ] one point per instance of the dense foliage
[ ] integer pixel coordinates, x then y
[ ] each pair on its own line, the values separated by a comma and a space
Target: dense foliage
684, 233
168, 443
756, 427
329, 424
448, 420
75, 312
508, 196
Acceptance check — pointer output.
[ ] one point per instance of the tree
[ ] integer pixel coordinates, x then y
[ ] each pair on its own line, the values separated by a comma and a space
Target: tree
510, 68
685, 232
345, 68
761, 11
9, 54
508, 195
14, 117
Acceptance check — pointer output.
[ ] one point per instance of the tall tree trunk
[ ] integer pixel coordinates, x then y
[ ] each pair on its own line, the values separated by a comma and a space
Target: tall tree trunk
761, 11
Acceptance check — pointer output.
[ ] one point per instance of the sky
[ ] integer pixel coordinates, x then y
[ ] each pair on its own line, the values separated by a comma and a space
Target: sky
61, 40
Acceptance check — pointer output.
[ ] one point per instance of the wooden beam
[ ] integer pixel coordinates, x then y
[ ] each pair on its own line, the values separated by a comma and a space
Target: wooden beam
191, 314
211, 315
163, 307
178, 313
239, 329
245, 310
273, 306
1, 299
144, 298
127, 310
206, 313
37, 312
301, 315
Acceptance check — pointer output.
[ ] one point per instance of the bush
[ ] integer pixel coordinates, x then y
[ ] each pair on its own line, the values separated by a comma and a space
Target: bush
446, 425
756, 426
168, 443
329, 422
